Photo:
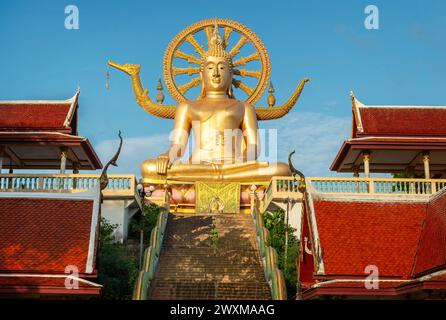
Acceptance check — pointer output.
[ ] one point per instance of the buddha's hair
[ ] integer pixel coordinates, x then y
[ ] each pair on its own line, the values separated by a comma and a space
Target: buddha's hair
217, 48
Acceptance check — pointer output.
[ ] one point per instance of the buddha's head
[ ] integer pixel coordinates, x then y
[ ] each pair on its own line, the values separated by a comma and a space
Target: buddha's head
216, 67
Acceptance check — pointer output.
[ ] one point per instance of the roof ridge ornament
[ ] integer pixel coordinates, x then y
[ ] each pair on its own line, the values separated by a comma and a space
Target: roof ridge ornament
356, 113
103, 179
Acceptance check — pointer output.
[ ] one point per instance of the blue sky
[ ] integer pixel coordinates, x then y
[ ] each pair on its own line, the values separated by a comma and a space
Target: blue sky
404, 62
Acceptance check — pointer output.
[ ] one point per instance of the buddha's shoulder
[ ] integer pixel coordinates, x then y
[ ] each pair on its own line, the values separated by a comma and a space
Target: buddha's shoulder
248, 106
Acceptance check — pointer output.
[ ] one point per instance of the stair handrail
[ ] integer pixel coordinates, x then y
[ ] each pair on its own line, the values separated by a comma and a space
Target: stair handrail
152, 253
273, 274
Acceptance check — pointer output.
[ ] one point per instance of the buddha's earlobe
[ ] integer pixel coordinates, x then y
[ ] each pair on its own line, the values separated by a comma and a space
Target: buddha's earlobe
202, 93
230, 94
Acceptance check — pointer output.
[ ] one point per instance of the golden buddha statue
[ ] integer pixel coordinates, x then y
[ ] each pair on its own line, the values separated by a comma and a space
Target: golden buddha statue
225, 130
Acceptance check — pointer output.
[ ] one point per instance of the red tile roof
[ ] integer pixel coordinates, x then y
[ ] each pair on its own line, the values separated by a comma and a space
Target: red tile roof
45, 126
44, 235
355, 234
405, 240
386, 129
431, 251
40, 115
407, 121
33, 116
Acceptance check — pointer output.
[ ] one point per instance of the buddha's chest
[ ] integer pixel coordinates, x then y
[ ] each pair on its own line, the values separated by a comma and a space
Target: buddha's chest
218, 116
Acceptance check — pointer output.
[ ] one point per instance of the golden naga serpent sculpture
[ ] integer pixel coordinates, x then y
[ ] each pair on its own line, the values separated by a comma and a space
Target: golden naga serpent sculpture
178, 91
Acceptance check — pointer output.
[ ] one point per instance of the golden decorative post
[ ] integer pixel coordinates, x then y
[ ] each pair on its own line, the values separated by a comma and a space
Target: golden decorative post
271, 98
214, 66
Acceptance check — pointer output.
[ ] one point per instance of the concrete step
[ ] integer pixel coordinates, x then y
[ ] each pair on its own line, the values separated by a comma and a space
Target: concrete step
189, 268
171, 289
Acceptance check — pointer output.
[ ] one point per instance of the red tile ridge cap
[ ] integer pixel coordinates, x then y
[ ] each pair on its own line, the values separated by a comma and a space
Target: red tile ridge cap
322, 196
397, 137
66, 101
314, 234
359, 104
30, 275
42, 132
402, 107
328, 282
419, 279
437, 194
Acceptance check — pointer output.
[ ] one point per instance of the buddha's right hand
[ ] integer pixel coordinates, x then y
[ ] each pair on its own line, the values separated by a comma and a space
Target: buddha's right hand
162, 164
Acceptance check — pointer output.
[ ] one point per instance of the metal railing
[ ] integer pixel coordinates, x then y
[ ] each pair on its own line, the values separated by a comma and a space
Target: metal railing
273, 274
152, 253
118, 184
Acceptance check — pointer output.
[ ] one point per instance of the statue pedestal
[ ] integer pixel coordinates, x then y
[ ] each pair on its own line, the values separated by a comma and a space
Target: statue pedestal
217, 197
205, 197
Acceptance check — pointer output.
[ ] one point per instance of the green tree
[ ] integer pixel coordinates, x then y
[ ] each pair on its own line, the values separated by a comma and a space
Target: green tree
275, 223
150, 217
117, 269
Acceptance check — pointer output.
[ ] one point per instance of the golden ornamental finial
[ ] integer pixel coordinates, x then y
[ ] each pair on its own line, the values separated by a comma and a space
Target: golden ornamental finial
271, 98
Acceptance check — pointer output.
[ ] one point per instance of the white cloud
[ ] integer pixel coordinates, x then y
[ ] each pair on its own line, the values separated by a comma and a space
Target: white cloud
316, 138
134, 151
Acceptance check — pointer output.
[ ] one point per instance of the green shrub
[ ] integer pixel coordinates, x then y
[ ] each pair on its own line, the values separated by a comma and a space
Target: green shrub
275, 223
117, 269
151, 213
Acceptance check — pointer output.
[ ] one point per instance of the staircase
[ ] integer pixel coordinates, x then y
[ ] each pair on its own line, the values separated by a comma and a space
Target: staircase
190, 268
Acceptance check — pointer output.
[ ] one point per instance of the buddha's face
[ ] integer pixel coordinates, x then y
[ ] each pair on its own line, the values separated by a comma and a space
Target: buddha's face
217, 75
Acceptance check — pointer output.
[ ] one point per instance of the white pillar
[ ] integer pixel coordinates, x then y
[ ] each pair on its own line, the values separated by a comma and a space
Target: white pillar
426, 159
63, 159
366, 160
2, 153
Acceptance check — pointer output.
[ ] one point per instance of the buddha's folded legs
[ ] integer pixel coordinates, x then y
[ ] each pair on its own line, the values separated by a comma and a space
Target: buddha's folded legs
241, 172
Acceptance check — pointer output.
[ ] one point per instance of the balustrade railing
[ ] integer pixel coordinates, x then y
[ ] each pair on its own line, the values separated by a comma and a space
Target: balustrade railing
283, 187
382, 186
119, 184
273, 274
152, 253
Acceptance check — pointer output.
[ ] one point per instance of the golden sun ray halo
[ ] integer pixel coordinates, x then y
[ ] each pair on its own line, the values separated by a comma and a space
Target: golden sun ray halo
193, 60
